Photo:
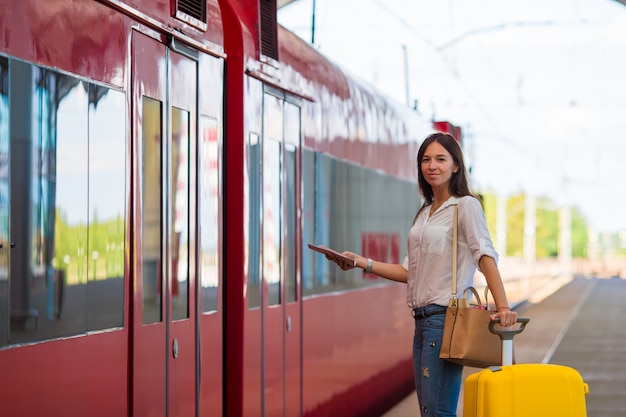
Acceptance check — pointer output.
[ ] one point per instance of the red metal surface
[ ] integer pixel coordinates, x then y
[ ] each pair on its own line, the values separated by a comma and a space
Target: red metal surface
252, 357
84, 37
350, 340
273, 352
158, 15
82, 376
211, 365
293, 361
234, 260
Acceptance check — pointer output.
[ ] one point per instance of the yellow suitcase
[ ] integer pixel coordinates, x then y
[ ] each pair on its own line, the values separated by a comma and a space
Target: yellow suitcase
524, 390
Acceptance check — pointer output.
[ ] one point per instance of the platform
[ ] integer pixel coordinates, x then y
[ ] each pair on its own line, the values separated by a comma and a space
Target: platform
581, 325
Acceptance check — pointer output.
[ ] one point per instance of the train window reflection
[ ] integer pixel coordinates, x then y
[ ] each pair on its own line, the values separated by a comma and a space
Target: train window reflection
254, 221
292, 141
49, 202
151, 212
4, 201
308, 222
179, 162
209, 186
107, 191
272, 220
290, 223
271, 169
66, 136
335, 213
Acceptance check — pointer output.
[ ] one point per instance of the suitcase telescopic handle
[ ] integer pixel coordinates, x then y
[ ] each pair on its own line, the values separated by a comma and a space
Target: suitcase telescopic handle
506, 333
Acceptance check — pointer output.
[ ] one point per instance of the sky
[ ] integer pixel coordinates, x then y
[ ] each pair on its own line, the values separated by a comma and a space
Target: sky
538, 87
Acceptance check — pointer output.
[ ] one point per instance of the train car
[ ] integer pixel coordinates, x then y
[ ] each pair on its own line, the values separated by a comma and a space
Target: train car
164, 165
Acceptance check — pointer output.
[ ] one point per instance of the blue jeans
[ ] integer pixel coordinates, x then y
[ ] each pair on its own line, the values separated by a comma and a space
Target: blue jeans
437, 382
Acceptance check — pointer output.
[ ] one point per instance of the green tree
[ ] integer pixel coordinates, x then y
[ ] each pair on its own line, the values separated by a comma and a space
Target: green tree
547, 226
547, 232
580, 235
515, 225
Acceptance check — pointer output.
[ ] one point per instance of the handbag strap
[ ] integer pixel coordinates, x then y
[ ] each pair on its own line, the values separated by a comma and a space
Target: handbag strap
454, 248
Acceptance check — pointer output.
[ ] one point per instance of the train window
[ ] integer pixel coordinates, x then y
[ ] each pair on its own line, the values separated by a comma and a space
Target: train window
62, 198
209, 186
290, 223
254, 223
335, 213
179, 160
272, 220
151, 209
4, 201
271, 169
292, 141
309, 260
107, 191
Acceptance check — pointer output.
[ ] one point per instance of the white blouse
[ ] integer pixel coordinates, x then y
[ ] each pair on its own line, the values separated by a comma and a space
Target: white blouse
429, 259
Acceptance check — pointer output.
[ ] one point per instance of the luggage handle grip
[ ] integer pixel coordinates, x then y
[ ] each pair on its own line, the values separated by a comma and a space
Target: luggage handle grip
508, 334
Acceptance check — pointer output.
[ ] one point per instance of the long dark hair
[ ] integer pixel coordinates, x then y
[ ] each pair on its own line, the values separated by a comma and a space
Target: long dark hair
459, 184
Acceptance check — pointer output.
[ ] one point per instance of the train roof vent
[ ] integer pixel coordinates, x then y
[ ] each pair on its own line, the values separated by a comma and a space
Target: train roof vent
192, 12
269, 29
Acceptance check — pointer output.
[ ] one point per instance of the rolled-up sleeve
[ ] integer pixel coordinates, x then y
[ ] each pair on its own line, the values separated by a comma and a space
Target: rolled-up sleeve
474, 226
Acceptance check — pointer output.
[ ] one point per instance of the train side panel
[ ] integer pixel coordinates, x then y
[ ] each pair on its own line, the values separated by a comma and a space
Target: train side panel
357, 352
163, 180
67, 133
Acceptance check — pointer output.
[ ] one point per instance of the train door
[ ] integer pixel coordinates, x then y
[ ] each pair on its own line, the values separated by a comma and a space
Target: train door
164, 344
275, 243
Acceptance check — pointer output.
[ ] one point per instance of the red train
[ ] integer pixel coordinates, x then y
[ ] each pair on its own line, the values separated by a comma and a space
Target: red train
164, 164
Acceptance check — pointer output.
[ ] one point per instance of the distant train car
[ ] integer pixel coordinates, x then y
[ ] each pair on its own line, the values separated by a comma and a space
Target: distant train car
164, 165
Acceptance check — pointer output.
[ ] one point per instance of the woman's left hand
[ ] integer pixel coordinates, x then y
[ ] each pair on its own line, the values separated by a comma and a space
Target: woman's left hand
343, 264
507, 317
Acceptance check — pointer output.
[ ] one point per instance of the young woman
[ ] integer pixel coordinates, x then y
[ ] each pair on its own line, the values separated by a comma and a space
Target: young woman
427, 269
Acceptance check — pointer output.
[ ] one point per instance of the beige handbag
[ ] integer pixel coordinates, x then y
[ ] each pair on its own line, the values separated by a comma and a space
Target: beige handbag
466, 337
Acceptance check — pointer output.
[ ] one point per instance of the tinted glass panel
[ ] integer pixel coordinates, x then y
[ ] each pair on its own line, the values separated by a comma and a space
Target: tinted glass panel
271, 220
4, 200
337, 213
151, 211
107, 190
271, 197
49, 204
309, 260
209, 185
254, 221
180, 214
290, 224
292, 140
64, 153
